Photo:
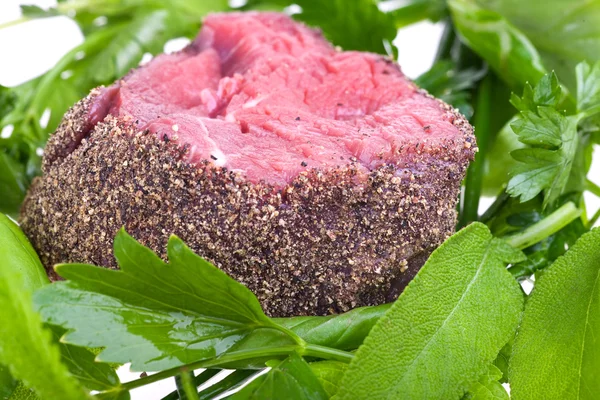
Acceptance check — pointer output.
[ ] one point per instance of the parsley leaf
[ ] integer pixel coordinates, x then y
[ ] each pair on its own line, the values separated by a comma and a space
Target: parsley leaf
588, 88
552, 139
152, 314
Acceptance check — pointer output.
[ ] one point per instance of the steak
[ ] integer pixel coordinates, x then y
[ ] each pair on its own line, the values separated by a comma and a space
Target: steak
319, 178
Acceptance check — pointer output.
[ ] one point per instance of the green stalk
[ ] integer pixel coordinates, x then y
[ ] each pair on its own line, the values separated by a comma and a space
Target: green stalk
199, 380
594, 219
231, 381
327, 353
14, 22
185, 386
446, 42
496, 206
473, 182
546, 227
309, 350
592, 187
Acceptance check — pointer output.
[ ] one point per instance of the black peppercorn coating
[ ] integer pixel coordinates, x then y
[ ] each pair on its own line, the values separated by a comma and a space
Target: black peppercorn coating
327, 242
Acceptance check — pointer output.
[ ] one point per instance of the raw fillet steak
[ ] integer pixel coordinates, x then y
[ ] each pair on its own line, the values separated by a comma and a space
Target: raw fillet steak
319, 178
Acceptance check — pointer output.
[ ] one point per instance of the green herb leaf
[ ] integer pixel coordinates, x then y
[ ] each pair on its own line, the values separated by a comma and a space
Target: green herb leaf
540, 130
553, 142
82, 365
33, 11
8, 100
446, 83
147, 32
7, 382
437, 352
353, 25
504, 47
556, 354
343, 331
291, 379
565, 33
330, 374
488, 387
24, 343
13, 184
412, 11
231, 382
501, 361
152, 314
21, 392
588, 88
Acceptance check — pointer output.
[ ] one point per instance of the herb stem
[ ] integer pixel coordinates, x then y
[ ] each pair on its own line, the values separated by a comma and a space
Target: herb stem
546, 227
447, 41
592, 187
594, 219
229, 358
14, 22
473, 182
328, 353
500, 201
185, 386
290, 333
199, 380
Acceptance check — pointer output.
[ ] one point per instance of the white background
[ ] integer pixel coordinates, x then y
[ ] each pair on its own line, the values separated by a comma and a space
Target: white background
30, 49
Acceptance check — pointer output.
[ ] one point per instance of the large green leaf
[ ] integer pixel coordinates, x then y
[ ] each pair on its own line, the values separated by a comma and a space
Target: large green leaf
13, 184
25, 346
82, 365
445, 328
505, 48
556, 354
152, 314
291, 378
564, 32
147, 32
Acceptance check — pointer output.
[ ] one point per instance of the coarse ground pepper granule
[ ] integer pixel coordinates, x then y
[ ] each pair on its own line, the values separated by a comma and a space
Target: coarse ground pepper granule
327, 242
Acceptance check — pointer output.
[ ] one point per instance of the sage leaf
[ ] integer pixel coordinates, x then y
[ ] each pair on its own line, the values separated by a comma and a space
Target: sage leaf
291, 379
556, 354
446, 327
24, 342
21, 392
150, 313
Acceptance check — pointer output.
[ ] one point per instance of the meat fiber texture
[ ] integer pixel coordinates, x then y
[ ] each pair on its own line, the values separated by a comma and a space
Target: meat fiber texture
319, 178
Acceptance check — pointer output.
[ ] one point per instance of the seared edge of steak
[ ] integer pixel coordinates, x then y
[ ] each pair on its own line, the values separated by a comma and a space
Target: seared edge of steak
329, 241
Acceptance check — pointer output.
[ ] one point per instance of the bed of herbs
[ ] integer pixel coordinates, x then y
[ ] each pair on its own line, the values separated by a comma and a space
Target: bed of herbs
527, 76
